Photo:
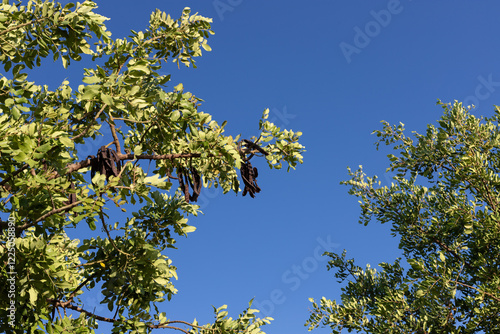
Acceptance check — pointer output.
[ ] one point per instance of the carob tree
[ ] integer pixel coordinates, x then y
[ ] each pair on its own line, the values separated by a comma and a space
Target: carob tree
42, 134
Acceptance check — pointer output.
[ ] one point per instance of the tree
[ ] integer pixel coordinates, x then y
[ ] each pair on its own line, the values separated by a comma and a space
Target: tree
444, 206
46, 187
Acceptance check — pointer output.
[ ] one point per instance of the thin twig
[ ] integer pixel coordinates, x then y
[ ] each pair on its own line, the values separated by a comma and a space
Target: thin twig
14, 174
90, 123
473, 288
109, 236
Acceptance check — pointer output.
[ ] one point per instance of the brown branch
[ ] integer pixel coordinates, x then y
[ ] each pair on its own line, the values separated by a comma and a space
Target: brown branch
146, 131
22, 25
171, 156
470, 287
163, 325
73, 294
171, 327
130, 156
91, 263
115, 137
77, 165
61, 209
124, 61
473, 288
14, 174
458, 275
58, 303
87, 162
48, 214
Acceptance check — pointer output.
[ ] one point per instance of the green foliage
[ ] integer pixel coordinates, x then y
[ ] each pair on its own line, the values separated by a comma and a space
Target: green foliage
247, 322
444, 205
45, 185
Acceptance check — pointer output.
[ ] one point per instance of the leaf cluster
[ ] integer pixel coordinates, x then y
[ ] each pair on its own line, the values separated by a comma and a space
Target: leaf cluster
444, 207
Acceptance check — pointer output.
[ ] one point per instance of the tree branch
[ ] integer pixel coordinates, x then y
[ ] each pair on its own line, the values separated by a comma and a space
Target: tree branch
58, 303
115, 137
48, 214
68, 305
73, 294
3, 32
473, 288
19, 170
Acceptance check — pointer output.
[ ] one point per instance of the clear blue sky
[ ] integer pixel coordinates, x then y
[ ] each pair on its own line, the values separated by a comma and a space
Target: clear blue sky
333, 70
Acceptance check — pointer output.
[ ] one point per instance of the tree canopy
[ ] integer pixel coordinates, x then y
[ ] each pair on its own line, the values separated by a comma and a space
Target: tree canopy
444, 208
47, 188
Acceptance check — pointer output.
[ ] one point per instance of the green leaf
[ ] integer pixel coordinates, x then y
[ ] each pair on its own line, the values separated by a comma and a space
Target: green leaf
99, 180
91, 224
206, 47
138, 150
140, 68
107, 99
65, 61
468, 228
134, 90
44, 148
188, 229
91, 80
67, 142
33, 296
90, 92
174, 116
193, 129
15, 113
26, 145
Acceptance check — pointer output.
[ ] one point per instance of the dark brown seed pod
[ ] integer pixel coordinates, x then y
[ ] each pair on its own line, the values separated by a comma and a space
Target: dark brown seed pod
249, 175
106, 162
185, 181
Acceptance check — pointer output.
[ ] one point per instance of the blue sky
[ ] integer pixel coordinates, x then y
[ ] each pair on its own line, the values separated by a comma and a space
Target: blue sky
333, 70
